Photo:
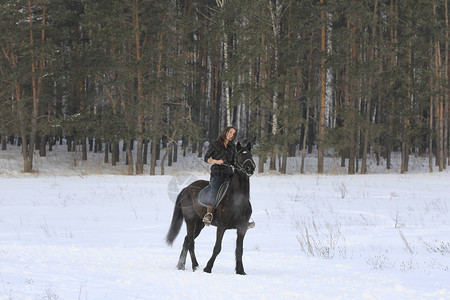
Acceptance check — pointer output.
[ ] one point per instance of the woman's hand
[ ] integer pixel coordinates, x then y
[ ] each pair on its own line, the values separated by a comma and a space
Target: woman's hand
214, 161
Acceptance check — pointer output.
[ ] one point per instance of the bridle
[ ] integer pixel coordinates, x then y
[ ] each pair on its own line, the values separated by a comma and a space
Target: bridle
241, 167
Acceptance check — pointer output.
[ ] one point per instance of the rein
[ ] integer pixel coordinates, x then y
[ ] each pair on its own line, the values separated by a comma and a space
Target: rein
240, 167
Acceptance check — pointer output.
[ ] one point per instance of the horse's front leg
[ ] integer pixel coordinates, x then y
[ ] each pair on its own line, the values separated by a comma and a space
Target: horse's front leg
240, 249
217, 247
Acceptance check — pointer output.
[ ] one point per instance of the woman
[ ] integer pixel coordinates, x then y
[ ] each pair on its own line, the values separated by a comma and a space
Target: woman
221, 154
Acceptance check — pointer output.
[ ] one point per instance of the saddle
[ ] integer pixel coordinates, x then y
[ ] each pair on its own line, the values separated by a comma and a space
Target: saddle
204, 195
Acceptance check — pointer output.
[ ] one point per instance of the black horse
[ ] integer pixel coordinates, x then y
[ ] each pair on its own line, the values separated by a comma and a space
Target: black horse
233, 212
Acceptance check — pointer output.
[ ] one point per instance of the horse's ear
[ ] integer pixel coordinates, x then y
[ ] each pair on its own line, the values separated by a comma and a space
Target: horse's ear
238, 146
249, 146
252, 141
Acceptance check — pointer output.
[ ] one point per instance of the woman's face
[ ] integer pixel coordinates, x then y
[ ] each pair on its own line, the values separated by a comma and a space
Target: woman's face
231, 134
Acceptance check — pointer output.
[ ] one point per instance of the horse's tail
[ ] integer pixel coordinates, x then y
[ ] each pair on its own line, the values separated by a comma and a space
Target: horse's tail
177, 221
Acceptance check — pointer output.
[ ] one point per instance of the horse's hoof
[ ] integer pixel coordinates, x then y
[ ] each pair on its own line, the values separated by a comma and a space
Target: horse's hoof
251, 225
207, 270
194, 268
241, 272
180, 267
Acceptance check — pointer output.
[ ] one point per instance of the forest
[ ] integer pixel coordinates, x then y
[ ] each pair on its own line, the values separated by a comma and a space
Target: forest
351, 78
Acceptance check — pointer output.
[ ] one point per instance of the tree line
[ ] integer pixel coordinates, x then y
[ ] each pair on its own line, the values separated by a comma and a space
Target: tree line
361, 77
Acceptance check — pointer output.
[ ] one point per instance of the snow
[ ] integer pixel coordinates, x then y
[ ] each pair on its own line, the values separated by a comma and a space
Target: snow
84, 230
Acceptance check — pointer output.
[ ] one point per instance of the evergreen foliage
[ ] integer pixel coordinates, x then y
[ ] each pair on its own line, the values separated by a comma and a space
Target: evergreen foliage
181, 70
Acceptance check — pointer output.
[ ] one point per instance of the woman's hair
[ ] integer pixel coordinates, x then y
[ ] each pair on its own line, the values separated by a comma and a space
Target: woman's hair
223, 134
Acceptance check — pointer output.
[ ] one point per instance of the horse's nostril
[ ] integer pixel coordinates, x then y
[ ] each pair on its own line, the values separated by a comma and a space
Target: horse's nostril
249, 169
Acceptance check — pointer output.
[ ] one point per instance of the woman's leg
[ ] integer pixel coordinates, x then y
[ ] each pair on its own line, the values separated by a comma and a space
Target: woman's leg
214, 182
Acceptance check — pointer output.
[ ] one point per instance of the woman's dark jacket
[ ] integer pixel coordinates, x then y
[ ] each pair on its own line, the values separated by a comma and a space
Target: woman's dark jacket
218, 151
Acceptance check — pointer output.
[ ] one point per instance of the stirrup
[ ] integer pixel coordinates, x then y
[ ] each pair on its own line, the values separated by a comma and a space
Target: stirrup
251, 224
207, 219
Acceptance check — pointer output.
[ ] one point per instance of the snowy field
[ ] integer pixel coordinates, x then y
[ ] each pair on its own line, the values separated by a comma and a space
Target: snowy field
71, 231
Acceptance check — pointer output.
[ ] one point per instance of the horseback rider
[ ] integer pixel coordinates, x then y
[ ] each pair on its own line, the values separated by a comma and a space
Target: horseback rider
221, 154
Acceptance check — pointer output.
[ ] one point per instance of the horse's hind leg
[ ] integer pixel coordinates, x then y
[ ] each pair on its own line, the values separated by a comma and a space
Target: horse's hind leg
187, 245
217, 248
182, 261
197, 229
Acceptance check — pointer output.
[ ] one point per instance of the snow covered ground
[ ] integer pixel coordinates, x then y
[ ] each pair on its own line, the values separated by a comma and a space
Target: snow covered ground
71, 231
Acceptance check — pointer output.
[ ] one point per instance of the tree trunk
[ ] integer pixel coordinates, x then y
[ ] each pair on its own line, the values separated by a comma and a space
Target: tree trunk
169, 158
145, 154
275, 13
115, 154
155, 155
140, 100
175, 152
307, 114
36, 87
225, 82
262, 109
370, 84
84, 149
446, 78
263, 154
392, 108
167, 154
283, 167
351, 124
27, 163
130, 157
139, 158
42, 146
430, 129
439, 102
106, 159
321, 124
406, 107
154, 141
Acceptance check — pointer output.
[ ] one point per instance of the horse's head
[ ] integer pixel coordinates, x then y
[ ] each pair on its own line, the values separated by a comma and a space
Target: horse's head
243, 160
